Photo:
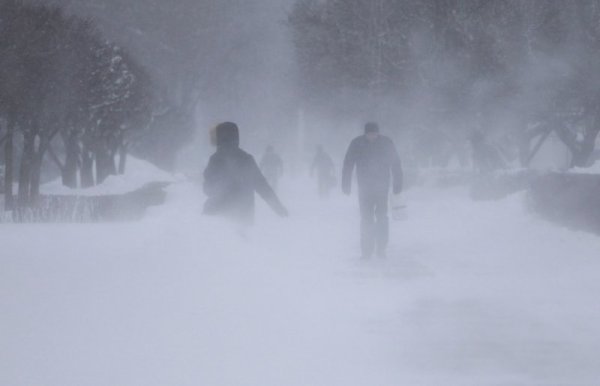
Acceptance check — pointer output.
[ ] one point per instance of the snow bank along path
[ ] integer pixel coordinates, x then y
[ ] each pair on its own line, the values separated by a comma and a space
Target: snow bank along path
470, 294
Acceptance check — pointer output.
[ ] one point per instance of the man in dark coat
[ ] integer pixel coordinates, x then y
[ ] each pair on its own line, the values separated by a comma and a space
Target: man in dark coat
231, 178
377, 162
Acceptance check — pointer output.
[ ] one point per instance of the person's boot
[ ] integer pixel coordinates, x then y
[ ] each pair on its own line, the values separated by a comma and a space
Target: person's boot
366, 251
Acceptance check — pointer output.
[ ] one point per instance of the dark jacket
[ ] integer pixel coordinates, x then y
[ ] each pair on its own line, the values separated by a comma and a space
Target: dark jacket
375, 163
231, 178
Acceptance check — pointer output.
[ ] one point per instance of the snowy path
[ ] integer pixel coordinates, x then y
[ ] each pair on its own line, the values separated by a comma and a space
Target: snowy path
471, 294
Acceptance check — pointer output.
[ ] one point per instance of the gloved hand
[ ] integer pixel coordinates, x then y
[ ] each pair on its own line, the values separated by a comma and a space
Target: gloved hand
282, 211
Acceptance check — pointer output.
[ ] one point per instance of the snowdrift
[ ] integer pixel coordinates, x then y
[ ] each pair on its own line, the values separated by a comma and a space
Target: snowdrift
120, 198
137, 174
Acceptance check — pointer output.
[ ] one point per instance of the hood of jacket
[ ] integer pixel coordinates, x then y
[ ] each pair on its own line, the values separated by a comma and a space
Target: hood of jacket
227, 135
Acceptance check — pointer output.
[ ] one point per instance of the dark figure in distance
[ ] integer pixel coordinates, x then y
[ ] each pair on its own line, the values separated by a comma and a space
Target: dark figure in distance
377, 167
231, 178
271, 166
325, 169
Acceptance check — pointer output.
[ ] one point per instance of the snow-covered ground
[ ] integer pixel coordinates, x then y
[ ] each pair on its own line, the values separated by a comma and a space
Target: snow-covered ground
470, 294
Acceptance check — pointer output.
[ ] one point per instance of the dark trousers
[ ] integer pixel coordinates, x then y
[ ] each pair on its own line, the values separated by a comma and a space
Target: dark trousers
374, 222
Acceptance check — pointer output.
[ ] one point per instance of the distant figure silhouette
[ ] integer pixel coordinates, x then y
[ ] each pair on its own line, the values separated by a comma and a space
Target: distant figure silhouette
323, 165
231, 178
376, 161
272, 166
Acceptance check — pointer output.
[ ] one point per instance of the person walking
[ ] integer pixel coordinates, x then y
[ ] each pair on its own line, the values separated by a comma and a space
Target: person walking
325, 169
232, 177
377, 167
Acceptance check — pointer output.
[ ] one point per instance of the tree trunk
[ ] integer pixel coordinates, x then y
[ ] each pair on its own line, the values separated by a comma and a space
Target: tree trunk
87, 169
35, 175
69, 172
8, 164
122, 159
111, 165
101, 169
105, 165
25, 168
36, 171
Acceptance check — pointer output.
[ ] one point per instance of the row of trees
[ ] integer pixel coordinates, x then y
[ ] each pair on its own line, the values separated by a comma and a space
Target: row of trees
213, 60
66, 95
515, 67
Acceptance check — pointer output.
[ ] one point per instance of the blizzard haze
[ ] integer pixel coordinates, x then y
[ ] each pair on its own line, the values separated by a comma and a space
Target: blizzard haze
111, 275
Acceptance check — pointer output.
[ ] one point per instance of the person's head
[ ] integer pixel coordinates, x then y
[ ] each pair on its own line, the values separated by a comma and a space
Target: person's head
227, 134
371, 130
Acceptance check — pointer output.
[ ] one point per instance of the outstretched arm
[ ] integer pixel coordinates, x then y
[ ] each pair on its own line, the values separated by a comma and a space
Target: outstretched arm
261, 186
